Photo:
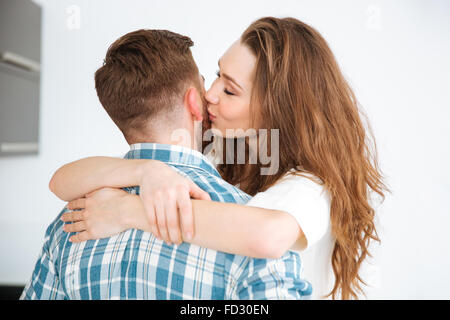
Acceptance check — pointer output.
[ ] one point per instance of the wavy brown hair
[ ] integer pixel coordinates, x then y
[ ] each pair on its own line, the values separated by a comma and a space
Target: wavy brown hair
300, 90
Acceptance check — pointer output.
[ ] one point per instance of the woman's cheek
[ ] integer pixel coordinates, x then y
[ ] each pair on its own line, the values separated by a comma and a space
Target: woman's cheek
231, 113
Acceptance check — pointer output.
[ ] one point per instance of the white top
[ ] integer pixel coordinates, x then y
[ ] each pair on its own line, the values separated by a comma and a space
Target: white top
309, 203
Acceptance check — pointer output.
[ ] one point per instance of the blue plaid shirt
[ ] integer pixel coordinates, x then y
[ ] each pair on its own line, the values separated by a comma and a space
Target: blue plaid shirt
136, 265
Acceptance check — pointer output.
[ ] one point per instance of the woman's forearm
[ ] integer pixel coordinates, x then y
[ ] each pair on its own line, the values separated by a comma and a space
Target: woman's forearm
80, 177
243, 230
231, 228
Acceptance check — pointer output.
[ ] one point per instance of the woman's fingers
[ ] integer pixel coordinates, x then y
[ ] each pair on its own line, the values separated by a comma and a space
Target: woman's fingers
150, 213
196, 192
77, 204
161, 217
80, 237
151, 216
169, 210
75, 227
73, 216
186, 215
172, 221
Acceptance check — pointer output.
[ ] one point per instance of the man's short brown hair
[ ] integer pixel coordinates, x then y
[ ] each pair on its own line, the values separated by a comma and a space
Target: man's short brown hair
145, 72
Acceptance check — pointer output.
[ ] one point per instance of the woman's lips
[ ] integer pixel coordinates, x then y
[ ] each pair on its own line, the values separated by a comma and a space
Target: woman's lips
211, 117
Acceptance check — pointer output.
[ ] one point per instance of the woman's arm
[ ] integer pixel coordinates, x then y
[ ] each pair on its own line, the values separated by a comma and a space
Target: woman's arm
227, 227
235, 228
244, 230
162, 189
75, 179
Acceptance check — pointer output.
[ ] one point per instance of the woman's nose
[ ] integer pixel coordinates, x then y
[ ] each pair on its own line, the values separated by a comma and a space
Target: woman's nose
211, 97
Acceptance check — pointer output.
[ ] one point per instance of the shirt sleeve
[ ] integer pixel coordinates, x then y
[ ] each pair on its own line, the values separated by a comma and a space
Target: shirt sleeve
306, 200
269, 279
44, 283
272, 279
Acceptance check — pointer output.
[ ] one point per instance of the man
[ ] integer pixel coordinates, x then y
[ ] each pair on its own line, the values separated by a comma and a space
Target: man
150, 86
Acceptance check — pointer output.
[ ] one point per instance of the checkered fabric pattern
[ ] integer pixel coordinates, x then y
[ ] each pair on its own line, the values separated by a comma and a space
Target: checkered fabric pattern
136, 265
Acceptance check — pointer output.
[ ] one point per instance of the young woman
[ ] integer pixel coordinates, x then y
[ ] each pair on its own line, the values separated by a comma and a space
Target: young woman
282, 75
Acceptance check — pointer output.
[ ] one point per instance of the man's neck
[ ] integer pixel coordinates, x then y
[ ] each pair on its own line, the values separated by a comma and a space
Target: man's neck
182, 136
179, 138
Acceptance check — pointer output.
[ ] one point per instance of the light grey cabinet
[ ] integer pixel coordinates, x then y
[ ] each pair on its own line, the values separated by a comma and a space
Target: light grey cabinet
20, 47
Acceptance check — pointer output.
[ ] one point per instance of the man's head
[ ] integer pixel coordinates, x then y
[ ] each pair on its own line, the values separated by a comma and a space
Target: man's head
149, 84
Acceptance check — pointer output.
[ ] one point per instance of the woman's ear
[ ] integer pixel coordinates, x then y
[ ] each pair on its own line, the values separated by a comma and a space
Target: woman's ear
193, 102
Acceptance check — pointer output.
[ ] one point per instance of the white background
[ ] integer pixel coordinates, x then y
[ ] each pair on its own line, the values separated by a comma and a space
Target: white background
395, 54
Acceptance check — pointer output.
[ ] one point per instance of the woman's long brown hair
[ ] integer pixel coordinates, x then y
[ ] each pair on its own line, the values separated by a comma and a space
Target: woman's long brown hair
300, 90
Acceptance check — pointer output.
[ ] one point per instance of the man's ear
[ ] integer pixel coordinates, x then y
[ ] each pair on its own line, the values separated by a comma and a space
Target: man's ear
192, 101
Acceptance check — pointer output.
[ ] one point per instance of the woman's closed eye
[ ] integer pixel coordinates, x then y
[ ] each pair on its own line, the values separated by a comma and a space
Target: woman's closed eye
228, 92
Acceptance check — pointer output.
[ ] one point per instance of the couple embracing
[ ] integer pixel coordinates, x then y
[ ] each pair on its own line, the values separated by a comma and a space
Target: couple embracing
176, 220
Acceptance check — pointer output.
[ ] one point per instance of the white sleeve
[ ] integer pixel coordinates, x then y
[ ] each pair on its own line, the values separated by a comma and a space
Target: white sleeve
307, 201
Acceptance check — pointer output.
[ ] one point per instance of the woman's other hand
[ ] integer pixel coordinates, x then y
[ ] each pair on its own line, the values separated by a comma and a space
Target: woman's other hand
166, 196
103, 213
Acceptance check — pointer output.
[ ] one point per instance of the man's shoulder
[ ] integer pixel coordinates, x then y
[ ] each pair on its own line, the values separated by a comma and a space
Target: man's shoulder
54, 232
218, 189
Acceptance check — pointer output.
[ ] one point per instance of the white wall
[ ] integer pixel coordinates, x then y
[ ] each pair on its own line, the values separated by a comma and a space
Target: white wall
394, 53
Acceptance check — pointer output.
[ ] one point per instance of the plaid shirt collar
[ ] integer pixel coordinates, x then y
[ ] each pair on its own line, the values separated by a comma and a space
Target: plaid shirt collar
173, 155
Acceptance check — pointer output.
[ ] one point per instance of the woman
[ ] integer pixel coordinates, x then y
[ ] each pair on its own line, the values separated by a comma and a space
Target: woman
281, 75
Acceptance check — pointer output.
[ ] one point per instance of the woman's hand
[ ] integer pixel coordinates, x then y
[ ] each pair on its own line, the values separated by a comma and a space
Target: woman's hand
166, 196
103, 214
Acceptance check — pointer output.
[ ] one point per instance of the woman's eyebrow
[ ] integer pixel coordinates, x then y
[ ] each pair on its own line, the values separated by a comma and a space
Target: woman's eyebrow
230, 78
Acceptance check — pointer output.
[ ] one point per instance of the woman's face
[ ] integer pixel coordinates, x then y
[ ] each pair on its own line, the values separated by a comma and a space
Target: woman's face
228, 99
